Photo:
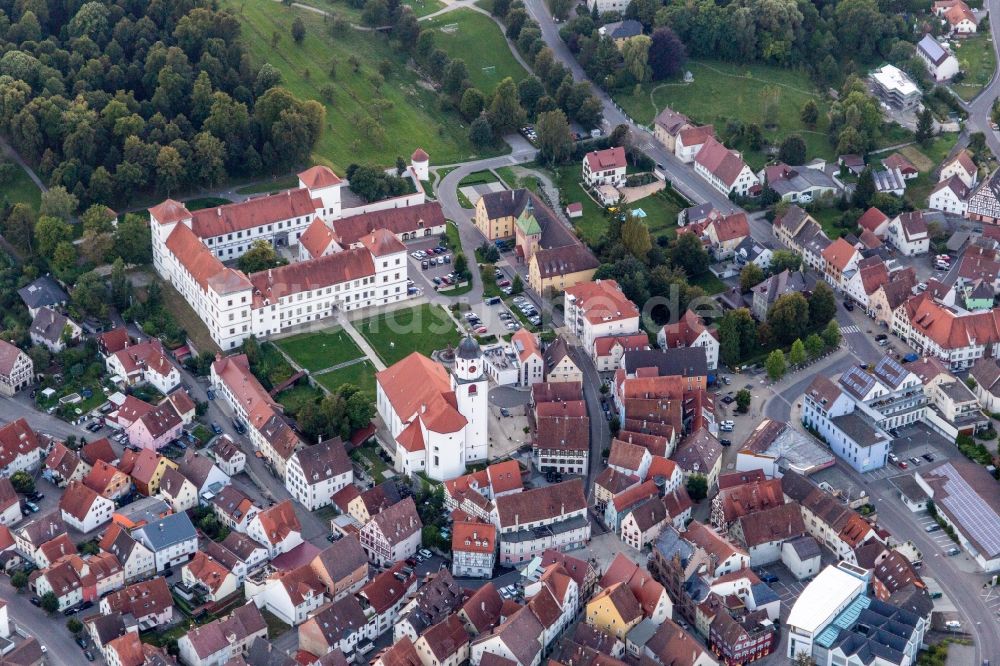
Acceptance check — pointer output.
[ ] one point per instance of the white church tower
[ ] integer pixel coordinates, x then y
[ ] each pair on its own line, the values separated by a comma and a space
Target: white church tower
471, 388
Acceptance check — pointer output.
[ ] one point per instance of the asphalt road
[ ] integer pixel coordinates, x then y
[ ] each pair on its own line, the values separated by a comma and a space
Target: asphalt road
50, 630
979, 108
679, 174
962, 587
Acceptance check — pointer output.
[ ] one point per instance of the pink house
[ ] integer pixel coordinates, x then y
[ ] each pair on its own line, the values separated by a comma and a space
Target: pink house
156, 428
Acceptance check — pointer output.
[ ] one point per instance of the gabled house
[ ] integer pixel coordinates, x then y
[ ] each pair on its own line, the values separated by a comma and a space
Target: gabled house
17, 371
21, 448
690, 140
314, 474
63, 465
53, 330
146, 362
177, 491
221, 640
148, 602
963, 166
393, 534
840, 261
228, 455
340, 625
146, 467
342, 567
277, 528
651, 596
200, 470
136, 559
386, 594
444, 644
724, 169
83, 509
10, 503
690, 331
668, 126
234, 508
108, 481
950, 196
941, 64
605, 167
908, 233
210, 576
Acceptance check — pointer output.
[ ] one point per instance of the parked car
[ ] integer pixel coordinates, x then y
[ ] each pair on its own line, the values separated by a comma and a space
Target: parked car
216, 429
848, 305
211, 394
928, 457
725, 442
32, 507
953, 551
932, 528
35, 601
767, 577
89, 655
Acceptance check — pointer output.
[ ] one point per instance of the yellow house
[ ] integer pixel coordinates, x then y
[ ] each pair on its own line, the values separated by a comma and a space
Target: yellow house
559, 268
497, 212
559, 366
614, 610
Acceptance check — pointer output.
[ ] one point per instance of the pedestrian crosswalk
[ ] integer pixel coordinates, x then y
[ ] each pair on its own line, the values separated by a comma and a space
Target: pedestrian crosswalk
853, 328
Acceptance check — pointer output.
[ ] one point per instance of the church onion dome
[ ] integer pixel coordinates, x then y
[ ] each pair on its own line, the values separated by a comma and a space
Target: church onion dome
468, 349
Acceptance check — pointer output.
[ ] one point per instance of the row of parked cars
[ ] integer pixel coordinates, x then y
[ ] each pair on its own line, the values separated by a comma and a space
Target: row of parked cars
528, 310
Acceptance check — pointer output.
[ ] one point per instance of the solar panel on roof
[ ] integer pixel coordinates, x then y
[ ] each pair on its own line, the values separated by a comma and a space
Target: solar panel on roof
975, 516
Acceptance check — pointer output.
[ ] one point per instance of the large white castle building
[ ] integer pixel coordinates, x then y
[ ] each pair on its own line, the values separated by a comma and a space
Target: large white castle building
349, 258
438, 420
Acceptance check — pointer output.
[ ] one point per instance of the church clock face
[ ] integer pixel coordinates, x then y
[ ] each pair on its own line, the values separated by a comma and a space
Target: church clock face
472, 369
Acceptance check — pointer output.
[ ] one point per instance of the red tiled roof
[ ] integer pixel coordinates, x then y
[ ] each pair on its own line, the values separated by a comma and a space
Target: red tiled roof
275, 283
381, 242
169, 211
317, 237
278, 521
77, 499
202, 264
839, 253
695, 136
721, 162
252, 213
418, 387
602, 301
16, 439
406, 219
872, 219
317, 177
634, 342
609, 158
731, 227
505, 476
473, 538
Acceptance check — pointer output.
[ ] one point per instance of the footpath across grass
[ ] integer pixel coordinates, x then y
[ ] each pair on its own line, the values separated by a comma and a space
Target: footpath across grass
395, 335
360, 374
21, 189
322, 349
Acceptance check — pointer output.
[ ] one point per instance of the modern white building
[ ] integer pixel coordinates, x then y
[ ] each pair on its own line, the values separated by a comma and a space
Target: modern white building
171, 539
831, 413
895, 87
819, 604
439, 420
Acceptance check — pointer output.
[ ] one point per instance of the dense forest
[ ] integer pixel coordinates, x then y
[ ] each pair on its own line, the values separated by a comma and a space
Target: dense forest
114, 97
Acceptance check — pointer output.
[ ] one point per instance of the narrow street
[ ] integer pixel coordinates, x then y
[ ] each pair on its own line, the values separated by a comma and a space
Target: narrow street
979, 108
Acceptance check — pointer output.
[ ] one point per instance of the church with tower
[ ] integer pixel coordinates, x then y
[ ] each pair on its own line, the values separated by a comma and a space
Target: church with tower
438, 419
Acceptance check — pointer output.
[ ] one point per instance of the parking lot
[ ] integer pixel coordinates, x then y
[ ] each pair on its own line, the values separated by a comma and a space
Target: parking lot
991, 597
423, 251
915, 447
937, 535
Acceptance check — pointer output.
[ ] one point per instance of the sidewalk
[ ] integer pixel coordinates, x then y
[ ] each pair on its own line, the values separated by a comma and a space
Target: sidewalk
360, 341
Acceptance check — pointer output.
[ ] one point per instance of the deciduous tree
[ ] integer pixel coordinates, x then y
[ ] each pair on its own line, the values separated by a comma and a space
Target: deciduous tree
789, 317
555, 140
667, 54
750, 277
775, 365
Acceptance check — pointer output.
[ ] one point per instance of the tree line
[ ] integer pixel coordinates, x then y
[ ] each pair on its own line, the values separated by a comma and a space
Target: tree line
112, 98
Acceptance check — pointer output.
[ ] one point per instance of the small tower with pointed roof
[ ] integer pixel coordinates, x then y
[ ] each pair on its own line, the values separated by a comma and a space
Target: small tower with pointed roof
421, 164
471, 389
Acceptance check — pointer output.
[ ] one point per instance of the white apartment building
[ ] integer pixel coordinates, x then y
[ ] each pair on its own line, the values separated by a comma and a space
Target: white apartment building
599, 309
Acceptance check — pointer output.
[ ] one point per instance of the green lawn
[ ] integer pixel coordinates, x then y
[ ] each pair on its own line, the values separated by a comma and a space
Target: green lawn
410, 115
477, 40
205, 202
21, 189
423, 7
395, 335
828, 218
926, 158
592, 225
711, 284
978, 61
661, 209
273, 185
478, 178
361, 375
295, 398
368, 457
323, 349
725, 90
